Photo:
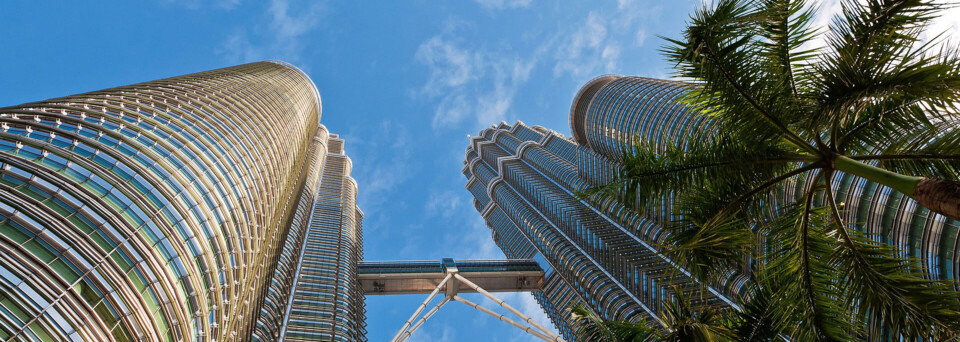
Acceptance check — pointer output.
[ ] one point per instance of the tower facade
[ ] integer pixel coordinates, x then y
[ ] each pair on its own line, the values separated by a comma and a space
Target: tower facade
525, 182
159, 210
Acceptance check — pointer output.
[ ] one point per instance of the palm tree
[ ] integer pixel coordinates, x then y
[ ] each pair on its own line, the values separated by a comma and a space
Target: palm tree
876, 102
682, 322
591, 327
686, 323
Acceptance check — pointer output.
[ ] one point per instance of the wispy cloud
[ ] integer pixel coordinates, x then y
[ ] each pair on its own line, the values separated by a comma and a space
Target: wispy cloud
526, 304
381, 159
479, 242
579, 53
278, 35
429, 333
442, 203
641, 36
450, 66
594, 45
470, 82
503, 4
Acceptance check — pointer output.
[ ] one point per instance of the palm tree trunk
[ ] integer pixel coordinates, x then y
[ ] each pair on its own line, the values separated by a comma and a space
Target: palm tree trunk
941, 196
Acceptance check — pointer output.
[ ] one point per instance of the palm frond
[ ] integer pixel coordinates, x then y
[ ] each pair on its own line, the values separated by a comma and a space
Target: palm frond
708, 251
891, 293
721, 53
928, 151
874, 53
785, 33
591, 327
914, 94
805, 286
755, 320
651, 172
888, 290
687, 323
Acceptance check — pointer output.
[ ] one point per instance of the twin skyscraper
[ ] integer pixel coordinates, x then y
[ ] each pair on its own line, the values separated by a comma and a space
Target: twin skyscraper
204, 207
215, 207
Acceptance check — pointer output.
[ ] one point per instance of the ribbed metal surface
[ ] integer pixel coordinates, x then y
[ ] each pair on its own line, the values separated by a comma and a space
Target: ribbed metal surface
160, 210
597, 256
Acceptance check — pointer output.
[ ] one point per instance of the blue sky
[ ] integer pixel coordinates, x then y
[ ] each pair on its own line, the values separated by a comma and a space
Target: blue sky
404, 82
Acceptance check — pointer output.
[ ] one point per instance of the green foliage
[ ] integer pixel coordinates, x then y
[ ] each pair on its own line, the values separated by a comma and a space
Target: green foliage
591, 327
682, 322
754, 182
686, 323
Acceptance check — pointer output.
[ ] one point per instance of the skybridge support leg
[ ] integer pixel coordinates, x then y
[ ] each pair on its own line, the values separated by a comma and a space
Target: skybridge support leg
452, 281
406, 334
396, 338
529, 330
553, 337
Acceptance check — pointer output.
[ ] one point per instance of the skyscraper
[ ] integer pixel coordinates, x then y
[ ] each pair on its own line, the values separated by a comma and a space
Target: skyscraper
161, 210
525, 179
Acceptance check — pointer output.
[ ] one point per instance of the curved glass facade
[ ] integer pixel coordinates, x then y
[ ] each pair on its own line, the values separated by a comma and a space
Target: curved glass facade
154, 211
611, 111
524, 181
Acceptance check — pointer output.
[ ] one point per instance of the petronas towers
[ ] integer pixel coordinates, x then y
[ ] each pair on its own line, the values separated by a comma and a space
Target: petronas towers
215, 207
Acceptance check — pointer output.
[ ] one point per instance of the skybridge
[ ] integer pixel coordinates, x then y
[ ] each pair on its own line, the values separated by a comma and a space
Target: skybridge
422, 277
454, 277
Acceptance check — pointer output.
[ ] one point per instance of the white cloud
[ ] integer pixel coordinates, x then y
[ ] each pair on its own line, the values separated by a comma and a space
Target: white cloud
470, 83
451, 110
239, 49
442, 203
594, 46
449, 65
503, 4
611, 54
287, 27
279, 35
480, 244
581, 53
381, 159
428, 333
475, 85
641, 37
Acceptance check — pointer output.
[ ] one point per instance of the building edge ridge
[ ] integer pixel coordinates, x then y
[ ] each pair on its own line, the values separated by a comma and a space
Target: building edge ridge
316, 91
